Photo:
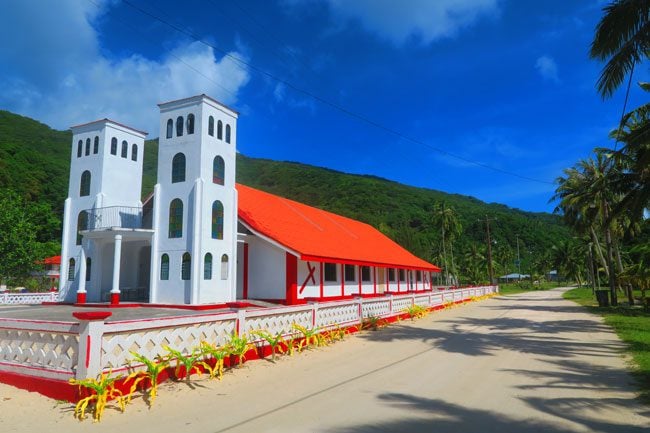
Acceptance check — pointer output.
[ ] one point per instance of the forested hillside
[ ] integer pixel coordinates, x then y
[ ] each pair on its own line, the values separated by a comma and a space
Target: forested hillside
34, 161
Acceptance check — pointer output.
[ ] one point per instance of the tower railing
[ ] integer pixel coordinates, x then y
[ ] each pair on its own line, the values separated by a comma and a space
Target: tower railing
125, 217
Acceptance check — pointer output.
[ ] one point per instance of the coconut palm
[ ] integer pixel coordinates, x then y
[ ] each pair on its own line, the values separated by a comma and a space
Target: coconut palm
622, 40
450, 227
586, 199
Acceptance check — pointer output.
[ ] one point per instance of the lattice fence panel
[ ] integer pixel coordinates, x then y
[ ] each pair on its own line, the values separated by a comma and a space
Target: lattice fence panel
116, 347
422, 301
50, 350
400, 304
281, 322
28, 298
339, 314
376, 308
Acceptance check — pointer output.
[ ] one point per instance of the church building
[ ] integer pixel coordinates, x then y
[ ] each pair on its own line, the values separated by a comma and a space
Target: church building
201, 238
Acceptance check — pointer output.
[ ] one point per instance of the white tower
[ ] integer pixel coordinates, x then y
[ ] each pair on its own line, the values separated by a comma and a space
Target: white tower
194, 248
105, 173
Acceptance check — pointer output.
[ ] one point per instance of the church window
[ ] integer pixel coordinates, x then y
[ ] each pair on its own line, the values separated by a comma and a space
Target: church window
176, 218
227, 133
179, 126
217, 220
218, 170
87, 146
190, 124
178, 168
71, 270
186, 267
207, 267
96, 145
134, 152
170, 128
125, 149
224, 267
80, 146
88, 265
84, 187
220, 130
211, 126
114, 146
82, 224
164, 267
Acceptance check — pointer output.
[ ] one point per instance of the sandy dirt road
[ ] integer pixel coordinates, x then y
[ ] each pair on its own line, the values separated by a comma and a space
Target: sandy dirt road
526, 363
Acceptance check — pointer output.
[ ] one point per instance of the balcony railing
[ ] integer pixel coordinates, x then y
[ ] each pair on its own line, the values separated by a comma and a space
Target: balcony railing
124, 217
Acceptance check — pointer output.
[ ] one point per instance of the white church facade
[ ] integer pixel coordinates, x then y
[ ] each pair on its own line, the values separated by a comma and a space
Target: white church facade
200, 238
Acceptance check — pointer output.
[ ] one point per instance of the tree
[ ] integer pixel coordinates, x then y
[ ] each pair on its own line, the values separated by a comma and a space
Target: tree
19, 249
622, 39
447, 219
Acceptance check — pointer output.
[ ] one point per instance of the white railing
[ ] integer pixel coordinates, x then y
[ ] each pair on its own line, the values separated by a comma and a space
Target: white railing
84, 349
28, 298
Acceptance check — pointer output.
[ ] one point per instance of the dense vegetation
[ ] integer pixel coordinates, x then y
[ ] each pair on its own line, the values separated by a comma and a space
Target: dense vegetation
34, 162
604, 197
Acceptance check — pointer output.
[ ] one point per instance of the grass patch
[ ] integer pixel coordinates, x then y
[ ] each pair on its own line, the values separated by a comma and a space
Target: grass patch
524, 286
632, 325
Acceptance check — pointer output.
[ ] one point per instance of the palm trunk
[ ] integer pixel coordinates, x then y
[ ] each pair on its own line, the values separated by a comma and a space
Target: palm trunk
444, 255
628, 286
610, 255
599, 250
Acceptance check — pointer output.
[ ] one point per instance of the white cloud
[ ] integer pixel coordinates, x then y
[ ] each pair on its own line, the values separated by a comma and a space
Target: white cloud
57, 72
426, 20
547, 68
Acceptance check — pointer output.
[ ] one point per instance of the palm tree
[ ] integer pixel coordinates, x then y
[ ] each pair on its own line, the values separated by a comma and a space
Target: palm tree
566, 259
586, 199
622, 39
446, 218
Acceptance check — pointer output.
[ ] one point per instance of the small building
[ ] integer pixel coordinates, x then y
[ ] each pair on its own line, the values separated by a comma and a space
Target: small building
513, 277
200, 238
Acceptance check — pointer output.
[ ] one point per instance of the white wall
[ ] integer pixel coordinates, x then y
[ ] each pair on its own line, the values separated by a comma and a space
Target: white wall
267, 270
312, 285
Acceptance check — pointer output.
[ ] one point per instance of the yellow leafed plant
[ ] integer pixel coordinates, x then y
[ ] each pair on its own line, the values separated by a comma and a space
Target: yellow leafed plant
103, 390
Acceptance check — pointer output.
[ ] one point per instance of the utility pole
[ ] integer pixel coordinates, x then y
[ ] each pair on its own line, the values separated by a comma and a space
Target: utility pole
518, 260
489, 247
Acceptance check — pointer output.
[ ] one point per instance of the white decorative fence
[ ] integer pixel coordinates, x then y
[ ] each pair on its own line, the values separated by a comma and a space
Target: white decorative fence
7, 298
61, 350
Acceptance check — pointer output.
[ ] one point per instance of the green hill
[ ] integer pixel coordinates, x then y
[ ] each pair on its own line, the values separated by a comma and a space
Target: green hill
34, 161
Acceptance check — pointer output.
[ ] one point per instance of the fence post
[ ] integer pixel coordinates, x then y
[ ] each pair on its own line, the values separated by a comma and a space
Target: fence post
314, 313
91, 331
240, 323
390, 304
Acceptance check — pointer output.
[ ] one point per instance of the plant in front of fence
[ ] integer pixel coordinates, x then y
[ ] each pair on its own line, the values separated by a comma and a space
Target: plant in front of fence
416, 311
289, 344
274, 341
374, 322
219, 353
189, 361
102, 389
238, 347
153, 369
311, 337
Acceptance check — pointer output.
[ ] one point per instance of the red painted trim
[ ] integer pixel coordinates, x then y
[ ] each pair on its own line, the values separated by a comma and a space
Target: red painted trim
342, 279
115, 298
322, 280
88, 341
291, 269
374, 280
397, 276
92, 315
310, 276
81, 298
52, 388
312, 258
245, 282
360, 288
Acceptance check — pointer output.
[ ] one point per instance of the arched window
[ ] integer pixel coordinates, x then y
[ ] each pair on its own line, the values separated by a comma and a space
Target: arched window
224, 267
170, 128
207, 267
114, 146
164, 267
220, 130
82, 224
80, 147
125, 149
227, 133
217, 220
84, 187
186, 267
134, 152
71, 270
176, 218
178, 168
87, 146
190, 124
96, 145
211, 126
88, 265
179, 126
218, 170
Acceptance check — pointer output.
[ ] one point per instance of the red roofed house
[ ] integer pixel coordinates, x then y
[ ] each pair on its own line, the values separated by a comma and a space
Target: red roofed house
164, 251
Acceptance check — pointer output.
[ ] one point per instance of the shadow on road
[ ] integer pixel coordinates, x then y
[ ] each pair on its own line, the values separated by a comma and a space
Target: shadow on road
437, 416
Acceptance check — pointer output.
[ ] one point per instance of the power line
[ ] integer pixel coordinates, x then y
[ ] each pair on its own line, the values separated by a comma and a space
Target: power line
328, 103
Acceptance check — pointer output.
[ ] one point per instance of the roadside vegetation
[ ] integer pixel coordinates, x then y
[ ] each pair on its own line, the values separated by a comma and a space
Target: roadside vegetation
526, 286
632, 325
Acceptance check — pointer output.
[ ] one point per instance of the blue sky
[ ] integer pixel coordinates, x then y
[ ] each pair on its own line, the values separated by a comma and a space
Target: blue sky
505, 83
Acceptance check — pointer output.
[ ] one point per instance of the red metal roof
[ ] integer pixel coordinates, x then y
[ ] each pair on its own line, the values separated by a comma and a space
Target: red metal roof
54, 260
318, 235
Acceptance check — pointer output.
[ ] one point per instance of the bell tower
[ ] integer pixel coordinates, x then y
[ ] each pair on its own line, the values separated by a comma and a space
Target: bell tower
195, 242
